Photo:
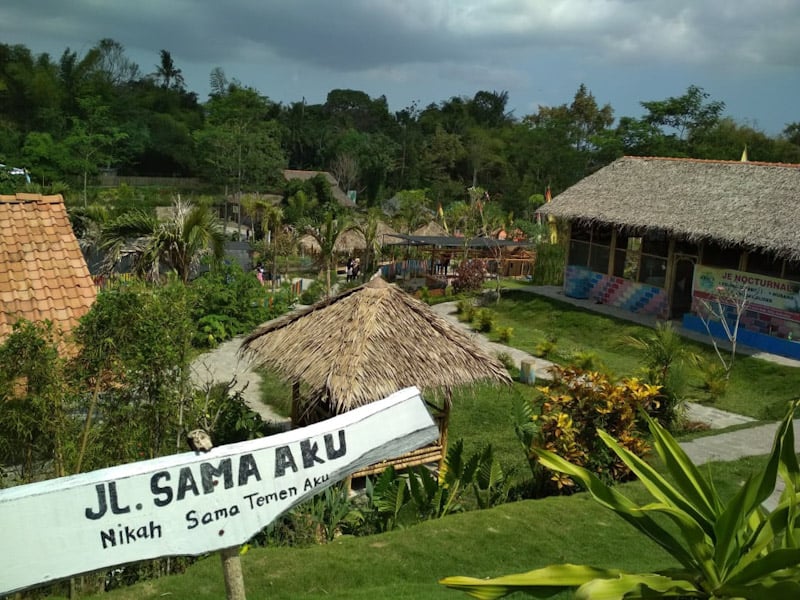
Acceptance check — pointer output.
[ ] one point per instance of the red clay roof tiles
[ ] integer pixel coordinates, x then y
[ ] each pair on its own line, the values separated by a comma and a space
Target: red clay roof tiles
43, 274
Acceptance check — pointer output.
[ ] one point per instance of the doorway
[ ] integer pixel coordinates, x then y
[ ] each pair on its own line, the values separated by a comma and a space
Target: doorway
682, 283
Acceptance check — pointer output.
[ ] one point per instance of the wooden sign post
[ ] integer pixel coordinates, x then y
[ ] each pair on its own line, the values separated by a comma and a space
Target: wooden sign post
193, 503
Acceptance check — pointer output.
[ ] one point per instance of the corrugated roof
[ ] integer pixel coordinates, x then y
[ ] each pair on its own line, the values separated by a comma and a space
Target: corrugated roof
43, 274
752, 204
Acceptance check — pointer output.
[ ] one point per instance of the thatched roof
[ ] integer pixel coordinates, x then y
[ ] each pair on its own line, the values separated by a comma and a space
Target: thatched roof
349, 241
339, 195
755, 205
432, 228
366, 343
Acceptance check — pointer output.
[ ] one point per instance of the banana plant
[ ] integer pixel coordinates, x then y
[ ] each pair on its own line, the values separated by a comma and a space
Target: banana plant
736, 549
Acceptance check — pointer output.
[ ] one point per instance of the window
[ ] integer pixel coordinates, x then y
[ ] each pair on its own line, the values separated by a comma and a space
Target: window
764, 264
715, 255
590, 247
791, 270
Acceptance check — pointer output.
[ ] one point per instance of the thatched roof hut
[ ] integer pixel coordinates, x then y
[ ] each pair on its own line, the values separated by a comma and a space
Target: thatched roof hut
432, 228
749, 204
366, 343
350, 241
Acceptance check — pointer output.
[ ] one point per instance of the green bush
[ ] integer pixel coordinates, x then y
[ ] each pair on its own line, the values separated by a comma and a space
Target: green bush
484, 320
545, 348
236, 301
506, 360
504, 334
732, 548
713, 375
586, 360
313, 293
211, 330
466, 310
576, 406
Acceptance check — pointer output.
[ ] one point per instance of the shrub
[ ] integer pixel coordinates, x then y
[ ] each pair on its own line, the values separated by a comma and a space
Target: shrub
507, 360
484, 320
575, 408
466, 310
504, 334
586, 360
313, 293
663, 352
733, 549
470, 276
210, 332
545, 348
713, 375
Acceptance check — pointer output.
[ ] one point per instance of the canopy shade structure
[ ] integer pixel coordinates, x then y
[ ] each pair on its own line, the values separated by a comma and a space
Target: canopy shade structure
367, 343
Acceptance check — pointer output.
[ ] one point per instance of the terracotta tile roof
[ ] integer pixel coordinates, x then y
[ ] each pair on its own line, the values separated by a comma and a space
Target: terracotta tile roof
43, 274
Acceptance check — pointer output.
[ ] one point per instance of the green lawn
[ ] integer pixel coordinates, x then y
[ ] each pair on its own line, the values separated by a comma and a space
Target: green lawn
757, 388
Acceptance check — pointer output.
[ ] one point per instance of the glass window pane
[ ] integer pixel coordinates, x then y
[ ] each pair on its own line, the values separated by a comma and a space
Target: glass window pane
653, 271
578, 253
764, 264
655, 244
716, 256
598, 259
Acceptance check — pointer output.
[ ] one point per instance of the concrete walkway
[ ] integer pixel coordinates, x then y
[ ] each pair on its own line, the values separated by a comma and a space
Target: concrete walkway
221, 365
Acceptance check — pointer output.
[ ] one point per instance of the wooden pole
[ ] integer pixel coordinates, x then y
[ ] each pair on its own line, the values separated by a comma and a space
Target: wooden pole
232, 570
200, 441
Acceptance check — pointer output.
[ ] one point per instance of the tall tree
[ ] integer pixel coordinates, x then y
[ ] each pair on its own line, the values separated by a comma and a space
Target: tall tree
170, 76
687, 115
91, 141
240, 145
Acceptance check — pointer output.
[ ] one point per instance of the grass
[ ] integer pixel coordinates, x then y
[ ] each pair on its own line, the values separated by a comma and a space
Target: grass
407, 563
757, 388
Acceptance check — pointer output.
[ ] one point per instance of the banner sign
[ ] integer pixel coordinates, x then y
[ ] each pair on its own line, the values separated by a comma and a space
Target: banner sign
767, 295
192, 503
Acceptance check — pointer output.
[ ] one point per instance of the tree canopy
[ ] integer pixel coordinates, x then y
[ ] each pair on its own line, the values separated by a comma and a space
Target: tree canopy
68, 119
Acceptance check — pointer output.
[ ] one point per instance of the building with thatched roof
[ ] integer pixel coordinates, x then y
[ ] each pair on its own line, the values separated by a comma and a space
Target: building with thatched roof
339, 195
662, 235
43, 275
364, 344
351, 241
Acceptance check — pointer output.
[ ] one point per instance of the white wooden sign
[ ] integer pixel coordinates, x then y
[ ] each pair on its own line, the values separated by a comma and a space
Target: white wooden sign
192, 503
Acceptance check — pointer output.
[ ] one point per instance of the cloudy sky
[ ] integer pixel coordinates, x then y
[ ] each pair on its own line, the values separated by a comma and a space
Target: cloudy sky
743, 52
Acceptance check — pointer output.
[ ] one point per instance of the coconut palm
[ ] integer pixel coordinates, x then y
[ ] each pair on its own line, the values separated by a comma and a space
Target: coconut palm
191, 232
326, 236
368, 227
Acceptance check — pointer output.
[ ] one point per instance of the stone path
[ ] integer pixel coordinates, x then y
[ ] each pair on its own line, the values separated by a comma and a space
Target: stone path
221, 365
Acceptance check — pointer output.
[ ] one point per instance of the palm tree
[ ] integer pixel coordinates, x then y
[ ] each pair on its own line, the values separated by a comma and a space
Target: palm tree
168, 73
191, 232
327, 235
369, 229
271, 219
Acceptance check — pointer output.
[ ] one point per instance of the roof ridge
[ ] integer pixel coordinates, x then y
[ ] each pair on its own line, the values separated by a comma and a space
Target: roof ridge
714, 160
